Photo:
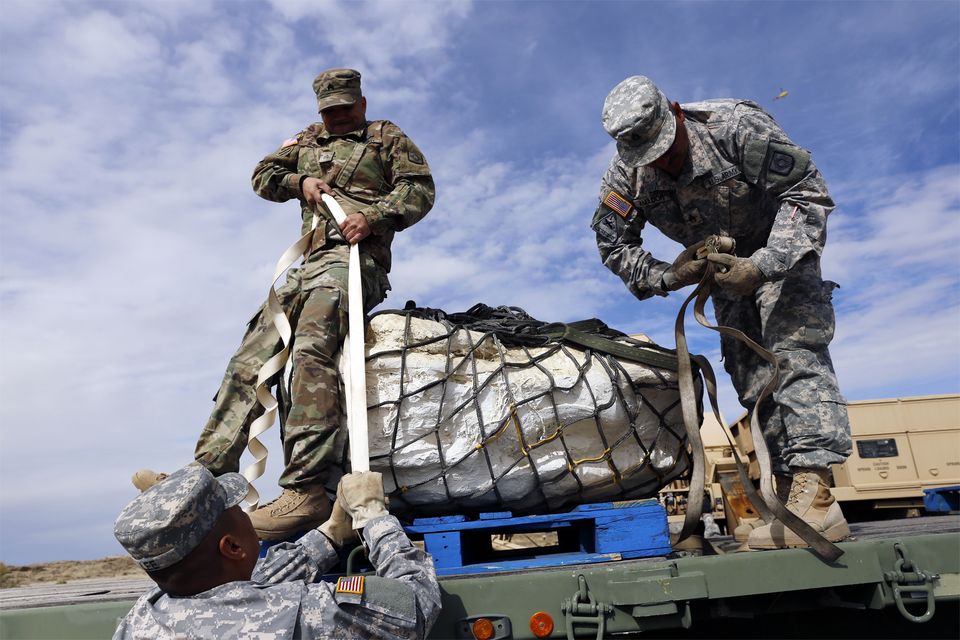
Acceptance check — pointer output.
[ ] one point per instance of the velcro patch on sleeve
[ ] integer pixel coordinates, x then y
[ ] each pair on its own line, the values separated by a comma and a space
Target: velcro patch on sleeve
350, 584
289, 142
618, 203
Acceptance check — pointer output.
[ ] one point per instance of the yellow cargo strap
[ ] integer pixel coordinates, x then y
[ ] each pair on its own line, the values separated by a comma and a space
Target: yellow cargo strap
770, 506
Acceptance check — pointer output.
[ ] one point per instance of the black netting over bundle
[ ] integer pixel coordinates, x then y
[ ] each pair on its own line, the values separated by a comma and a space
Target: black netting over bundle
491, 409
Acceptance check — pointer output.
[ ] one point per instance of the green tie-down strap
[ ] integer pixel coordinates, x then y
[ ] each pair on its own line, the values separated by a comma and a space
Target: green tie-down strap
580, 333
515, 327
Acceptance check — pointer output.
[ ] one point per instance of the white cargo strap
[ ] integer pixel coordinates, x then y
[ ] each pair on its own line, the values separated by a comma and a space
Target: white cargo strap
355, 383
271, 367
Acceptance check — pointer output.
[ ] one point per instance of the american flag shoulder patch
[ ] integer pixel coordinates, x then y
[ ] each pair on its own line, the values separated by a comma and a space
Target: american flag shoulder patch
350, 584
289, 142
618, 203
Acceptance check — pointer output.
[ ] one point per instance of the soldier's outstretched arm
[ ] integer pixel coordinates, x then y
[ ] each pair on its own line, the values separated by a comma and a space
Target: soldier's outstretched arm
397, 559
306, 559
618, 226
404, 595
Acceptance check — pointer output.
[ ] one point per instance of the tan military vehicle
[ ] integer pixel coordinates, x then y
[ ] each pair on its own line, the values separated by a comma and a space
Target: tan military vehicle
901, 446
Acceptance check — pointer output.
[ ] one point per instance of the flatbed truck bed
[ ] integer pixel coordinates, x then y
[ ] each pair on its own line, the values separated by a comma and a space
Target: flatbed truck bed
892, 575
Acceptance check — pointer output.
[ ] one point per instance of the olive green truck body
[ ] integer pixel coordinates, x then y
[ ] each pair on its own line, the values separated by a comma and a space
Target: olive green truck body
901, 569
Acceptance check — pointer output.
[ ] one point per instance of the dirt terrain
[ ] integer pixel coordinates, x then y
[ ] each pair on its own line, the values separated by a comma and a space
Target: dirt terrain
66, 571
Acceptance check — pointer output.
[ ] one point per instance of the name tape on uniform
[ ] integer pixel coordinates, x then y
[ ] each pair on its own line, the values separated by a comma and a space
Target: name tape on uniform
723, 176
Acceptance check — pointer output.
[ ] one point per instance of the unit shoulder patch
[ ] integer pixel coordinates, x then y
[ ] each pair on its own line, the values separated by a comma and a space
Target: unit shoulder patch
618, 203
415, 157
785, 166
606, 228
350, 584
781, 163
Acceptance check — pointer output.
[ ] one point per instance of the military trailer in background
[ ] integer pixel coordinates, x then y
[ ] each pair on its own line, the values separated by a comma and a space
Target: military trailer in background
581, 577
903, 449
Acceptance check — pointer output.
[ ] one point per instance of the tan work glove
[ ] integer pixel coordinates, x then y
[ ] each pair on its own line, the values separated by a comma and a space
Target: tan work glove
339, 526
740, 275
685, 270
361, 495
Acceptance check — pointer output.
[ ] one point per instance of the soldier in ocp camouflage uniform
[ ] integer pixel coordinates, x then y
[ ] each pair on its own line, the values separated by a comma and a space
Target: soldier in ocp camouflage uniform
383, 183
724, 167
196, 543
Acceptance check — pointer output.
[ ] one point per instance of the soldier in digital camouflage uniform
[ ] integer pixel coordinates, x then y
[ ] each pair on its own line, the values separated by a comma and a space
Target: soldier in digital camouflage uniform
200, 548
724, 167
383, 183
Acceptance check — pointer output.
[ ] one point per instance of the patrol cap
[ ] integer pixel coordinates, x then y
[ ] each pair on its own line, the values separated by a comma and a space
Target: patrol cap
336, 87
637, 115
162, 525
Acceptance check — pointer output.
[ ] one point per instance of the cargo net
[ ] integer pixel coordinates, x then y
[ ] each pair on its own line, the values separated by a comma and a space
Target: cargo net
491, 409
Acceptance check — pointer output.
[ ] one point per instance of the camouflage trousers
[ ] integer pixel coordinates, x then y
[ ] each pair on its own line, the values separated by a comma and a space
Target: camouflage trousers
318, 315
805, 425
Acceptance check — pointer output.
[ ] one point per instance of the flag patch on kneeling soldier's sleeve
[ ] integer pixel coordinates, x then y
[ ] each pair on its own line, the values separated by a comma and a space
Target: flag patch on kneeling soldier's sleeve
618, 203
350, 584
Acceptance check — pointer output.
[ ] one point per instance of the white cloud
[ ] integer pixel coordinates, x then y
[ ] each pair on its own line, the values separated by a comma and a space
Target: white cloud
103, 46
899, 307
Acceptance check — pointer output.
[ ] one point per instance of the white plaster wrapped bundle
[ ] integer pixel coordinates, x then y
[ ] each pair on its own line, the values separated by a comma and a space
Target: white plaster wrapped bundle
460, 422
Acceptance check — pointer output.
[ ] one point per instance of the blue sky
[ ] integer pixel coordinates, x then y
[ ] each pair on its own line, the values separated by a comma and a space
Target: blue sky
132, 250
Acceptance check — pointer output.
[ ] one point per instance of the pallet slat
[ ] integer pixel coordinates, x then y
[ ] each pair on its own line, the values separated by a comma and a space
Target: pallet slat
588, 533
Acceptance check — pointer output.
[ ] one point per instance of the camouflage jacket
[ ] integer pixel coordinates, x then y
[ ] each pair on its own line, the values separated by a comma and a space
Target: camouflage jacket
376, 171
284, 600
744, 178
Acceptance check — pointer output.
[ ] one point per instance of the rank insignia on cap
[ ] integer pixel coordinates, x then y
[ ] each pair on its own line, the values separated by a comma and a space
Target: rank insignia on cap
618, 203
350, 584
289, 142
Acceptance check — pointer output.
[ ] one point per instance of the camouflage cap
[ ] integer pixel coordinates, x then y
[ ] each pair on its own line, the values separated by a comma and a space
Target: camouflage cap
336, 87
167, 521
637, 115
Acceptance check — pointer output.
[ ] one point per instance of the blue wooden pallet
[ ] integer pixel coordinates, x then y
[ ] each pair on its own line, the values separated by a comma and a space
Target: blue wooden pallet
586, 534
942, 499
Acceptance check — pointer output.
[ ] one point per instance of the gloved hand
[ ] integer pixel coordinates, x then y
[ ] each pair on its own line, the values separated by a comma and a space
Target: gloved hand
741, 275
686, 269
361, 495
339, 526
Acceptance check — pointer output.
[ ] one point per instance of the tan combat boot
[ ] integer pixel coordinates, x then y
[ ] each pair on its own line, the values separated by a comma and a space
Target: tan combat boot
743, 530
291, 512
810, 499
146, 478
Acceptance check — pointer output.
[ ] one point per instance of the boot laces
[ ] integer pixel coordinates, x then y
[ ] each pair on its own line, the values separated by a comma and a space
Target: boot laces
285, 497
798, 489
